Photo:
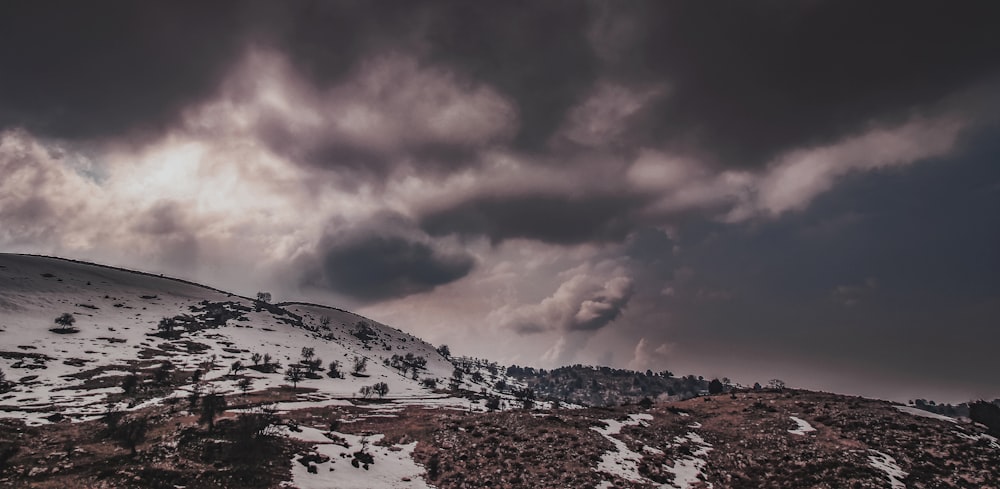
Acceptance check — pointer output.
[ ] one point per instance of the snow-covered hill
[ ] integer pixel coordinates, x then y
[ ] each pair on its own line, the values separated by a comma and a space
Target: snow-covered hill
117, 313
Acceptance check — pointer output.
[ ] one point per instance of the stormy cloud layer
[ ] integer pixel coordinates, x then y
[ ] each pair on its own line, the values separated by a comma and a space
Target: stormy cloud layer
764, 189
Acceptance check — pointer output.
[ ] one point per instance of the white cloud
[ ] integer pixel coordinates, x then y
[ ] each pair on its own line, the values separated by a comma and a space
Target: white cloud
790, 182
795, 179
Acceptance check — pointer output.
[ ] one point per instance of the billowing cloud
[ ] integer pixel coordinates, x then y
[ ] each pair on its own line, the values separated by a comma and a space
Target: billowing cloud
604, 306
589, 298
391, 110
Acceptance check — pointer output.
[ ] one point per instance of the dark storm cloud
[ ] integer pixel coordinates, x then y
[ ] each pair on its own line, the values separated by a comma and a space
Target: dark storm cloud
90, 70
535, 52
383, 259
551, 218
746, 79
81, 70
750, 79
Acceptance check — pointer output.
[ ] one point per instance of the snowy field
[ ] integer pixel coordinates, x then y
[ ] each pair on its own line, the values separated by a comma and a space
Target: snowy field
117, 312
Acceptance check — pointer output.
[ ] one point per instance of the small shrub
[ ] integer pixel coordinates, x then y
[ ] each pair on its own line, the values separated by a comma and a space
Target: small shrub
493, 403
166, 326
334, 370
4, 385
161, 376
64, 324
245, 384
130, 384
359, 366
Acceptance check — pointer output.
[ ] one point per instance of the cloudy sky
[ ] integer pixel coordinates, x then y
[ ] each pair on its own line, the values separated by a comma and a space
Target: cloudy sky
801, 190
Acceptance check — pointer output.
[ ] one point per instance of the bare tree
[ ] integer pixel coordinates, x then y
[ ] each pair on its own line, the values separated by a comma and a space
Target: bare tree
381, 389
360, 365
294, 375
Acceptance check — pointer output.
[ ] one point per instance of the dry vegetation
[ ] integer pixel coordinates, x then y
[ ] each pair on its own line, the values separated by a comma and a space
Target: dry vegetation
748, 432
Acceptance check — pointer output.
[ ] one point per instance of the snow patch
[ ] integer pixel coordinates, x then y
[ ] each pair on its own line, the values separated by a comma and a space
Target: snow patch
802, 428
622, 461
393, 466
925, 414
887, 464
689, 471
991, 439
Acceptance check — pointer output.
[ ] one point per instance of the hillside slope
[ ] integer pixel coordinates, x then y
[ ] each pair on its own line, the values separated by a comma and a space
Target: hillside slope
117, 313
